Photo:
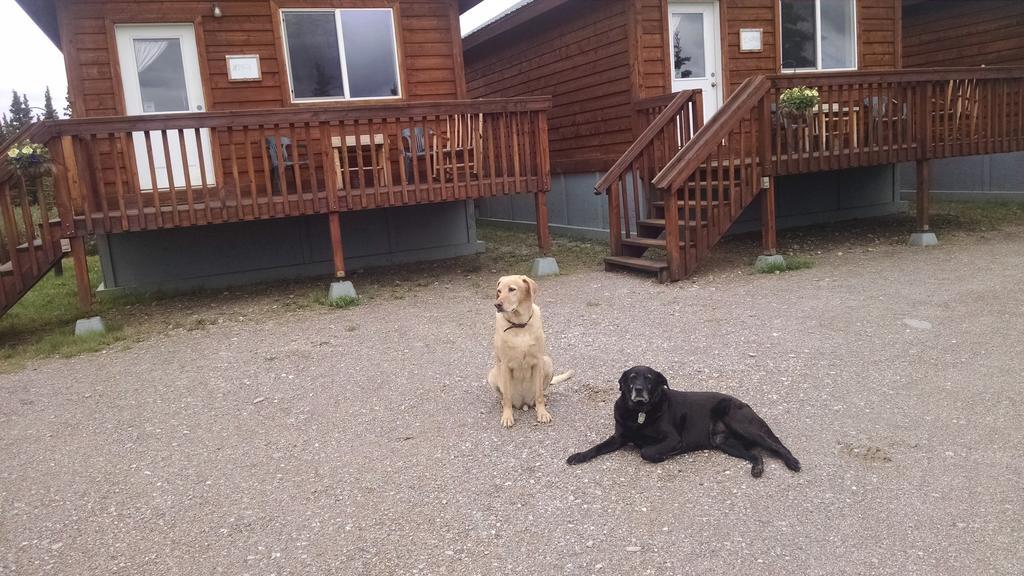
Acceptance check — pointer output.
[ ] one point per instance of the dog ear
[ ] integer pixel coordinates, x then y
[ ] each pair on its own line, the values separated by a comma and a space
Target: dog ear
531, 286
660, 379
622, 381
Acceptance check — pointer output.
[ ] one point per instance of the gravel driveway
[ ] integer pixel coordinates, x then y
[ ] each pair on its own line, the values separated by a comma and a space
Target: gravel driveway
364, 441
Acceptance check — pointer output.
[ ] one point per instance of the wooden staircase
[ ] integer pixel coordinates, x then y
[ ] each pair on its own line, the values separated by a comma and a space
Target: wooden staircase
669, 220
32, 234
27, 264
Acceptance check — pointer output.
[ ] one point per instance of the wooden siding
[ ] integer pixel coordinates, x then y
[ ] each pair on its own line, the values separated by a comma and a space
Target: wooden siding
981, 32
581, 58
878, 34
429, 47
652, 48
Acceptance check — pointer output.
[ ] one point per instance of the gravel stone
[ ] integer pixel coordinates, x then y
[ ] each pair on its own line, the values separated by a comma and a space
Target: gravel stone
380, 452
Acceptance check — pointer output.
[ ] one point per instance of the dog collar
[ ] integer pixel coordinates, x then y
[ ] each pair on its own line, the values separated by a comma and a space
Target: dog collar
641, 417
512, 325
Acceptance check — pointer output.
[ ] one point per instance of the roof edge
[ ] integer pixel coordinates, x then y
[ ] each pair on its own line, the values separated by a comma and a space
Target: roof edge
44, 14
510, 21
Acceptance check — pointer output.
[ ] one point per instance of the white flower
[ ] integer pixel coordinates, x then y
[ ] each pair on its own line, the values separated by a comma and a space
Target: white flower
13, 152
26, 150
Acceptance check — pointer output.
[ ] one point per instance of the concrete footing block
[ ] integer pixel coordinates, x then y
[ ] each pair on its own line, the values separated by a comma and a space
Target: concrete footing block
923, 239
341, 289
766, 262
546, 266
87, 326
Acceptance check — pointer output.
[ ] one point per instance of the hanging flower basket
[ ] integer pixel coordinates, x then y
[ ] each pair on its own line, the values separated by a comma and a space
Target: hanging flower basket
30, 160
796, 104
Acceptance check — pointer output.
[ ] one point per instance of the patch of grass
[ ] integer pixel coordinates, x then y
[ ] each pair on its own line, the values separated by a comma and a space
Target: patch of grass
343, 302
788, 264
976, 216
43, 322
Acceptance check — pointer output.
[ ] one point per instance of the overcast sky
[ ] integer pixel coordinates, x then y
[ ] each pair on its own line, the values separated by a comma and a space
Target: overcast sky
31, 62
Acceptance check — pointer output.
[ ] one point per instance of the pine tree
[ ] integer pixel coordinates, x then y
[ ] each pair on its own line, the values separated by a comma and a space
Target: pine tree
4, 129
67, 104
20, 115
49, 112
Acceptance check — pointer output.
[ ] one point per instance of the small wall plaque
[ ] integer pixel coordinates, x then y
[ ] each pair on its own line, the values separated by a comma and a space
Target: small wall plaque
750, 39
244, 68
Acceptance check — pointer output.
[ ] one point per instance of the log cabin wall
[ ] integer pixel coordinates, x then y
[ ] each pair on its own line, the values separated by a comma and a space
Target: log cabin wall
579, 54
429, 45
955, 33
595, 57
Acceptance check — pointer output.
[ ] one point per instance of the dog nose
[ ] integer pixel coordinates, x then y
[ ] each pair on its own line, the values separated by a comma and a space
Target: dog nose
497, 306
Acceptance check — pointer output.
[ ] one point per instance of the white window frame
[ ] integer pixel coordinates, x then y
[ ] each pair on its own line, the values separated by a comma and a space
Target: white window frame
341, 51
817, 42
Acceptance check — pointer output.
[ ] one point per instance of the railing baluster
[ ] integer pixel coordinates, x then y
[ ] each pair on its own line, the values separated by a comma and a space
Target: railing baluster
189, 197
154, 183
201, 153
169, 165
250, 166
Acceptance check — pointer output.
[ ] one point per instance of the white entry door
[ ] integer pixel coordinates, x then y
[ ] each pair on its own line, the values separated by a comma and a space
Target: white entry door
160, 74
695, 51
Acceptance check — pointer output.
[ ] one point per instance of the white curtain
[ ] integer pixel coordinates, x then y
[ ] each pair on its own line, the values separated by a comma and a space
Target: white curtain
147, 51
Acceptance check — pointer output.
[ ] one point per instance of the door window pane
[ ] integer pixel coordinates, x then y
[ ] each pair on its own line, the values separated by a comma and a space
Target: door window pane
369, 37
799, 35
837, 45
313, 58
161, 73
688, 58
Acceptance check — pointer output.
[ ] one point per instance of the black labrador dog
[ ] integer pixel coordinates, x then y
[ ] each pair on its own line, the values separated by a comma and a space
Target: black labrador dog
663, 423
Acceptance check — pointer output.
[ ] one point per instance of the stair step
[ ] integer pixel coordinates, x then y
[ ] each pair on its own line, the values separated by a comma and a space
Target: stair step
647, 242
659, 267
691, 203
660, 223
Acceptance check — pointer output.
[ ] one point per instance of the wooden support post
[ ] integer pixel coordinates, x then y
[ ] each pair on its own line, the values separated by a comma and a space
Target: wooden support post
923, 194
673, 249
614, 220
81, 272
769, 242
543, 234
336, 247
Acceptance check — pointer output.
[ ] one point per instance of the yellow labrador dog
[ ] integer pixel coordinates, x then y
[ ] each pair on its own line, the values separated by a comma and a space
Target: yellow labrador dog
522, 368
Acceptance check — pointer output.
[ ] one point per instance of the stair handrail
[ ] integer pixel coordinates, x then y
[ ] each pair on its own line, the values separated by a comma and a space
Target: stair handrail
689, 157
622, 165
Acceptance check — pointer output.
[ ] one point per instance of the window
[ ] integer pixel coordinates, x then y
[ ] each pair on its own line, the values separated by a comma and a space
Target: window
341, 54
819, 35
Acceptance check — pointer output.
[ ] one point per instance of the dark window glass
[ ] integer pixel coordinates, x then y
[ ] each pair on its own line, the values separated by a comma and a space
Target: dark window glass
161, 75
369, 37
837, 22
313, 57
798, 34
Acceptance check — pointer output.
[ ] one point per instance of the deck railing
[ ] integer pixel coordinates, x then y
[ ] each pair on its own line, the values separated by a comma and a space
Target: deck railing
176, 170
871, 118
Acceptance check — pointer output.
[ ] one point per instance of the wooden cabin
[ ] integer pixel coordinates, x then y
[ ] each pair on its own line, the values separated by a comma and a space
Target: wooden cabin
239, 140
940, 33
677, 102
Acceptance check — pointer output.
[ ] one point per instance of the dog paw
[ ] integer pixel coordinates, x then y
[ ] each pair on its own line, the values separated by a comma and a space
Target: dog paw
507, 420
757, 470
543, 416
652, 457
577, 458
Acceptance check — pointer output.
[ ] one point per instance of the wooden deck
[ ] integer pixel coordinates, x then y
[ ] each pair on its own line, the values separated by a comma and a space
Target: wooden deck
131, 174
683, 183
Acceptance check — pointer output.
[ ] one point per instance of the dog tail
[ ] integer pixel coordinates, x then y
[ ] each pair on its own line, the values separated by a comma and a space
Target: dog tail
563, 377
